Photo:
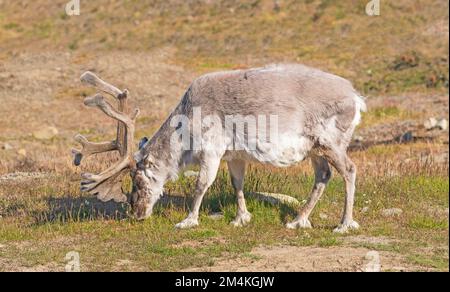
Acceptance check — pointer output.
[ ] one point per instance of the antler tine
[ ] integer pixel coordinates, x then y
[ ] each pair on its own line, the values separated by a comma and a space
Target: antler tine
104, 183
94, 81
89, 148
107, 184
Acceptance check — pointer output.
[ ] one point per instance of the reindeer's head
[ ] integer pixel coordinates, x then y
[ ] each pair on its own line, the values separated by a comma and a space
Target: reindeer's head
108, 184
147, 186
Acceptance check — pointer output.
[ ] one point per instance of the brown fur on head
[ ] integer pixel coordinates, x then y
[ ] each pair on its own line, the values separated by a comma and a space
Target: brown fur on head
147, 188
140, 195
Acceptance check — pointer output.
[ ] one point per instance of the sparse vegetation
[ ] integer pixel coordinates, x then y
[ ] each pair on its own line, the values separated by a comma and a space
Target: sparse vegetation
398, 60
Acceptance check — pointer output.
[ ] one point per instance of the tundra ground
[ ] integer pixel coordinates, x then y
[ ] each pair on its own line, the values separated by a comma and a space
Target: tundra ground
403, 184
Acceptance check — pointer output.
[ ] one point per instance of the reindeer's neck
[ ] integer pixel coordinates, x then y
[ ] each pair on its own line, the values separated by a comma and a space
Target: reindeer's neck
167, 153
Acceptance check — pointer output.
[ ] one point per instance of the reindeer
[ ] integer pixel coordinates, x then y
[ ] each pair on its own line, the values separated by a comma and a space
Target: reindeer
316, 115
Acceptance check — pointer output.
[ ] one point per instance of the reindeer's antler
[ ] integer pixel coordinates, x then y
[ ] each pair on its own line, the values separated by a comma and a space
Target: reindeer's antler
107, 185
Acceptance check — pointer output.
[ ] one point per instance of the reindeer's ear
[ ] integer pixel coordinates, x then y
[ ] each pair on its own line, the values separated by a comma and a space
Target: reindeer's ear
142, 143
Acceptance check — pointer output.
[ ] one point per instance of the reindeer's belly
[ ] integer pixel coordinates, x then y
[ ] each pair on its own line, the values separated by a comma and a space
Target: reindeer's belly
288, 150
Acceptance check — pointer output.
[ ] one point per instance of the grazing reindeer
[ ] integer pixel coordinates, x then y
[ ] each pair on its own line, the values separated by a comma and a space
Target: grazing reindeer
315, 116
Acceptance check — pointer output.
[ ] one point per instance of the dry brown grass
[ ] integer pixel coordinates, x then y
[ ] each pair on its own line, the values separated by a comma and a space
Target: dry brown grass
156, 51
406, 48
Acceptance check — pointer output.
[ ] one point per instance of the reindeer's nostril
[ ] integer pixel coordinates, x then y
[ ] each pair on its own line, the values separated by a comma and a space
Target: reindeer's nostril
142, 211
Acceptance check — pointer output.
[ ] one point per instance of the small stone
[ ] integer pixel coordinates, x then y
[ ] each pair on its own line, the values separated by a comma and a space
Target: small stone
430, 123
124, 263
7, 146
22, 152
216, 216
323, 216
405, 137
358, 139
392, 212
46, 133
191, 173
399, 269
275, 199
365, 210
442, 124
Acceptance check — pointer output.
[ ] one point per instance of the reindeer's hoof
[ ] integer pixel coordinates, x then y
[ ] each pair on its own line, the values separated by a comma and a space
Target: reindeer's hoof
299, 223
187, 223
346, 227
242, 219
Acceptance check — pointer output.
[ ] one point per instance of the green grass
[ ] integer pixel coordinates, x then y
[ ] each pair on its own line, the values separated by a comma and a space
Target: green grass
42, 220
39, 226
422, 222
436, 262
386, 114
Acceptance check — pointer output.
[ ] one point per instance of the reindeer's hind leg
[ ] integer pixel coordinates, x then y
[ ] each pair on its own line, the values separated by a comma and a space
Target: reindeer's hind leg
322, 176
347, 169
209, 165
237, 173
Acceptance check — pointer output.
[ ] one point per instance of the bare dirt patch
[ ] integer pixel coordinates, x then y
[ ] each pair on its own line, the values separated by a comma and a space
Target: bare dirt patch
362, 239
317, 259
14, 266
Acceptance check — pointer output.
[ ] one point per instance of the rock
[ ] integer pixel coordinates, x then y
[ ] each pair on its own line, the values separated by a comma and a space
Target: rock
276, 6
46, 133
430, 123
358, 139
399, 269
22, 152
365, 210
7, 146
405, 137
392, 212
191, 173
276, 199
442, 124
323, 216
216, 216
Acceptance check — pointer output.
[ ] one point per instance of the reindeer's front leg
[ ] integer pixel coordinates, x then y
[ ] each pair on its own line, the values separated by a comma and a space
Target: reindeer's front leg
208, 171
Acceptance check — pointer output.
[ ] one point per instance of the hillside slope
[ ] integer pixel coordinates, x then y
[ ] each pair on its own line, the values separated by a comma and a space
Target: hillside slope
403, 49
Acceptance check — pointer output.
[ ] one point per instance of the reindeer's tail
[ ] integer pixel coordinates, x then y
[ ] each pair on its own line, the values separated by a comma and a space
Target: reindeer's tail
361, 106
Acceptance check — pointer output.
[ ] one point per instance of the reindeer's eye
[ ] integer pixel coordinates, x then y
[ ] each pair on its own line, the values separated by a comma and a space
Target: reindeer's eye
179, 126
134, 198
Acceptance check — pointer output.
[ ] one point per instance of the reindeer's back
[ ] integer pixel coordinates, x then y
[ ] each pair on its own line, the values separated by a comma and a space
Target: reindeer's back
301, 96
